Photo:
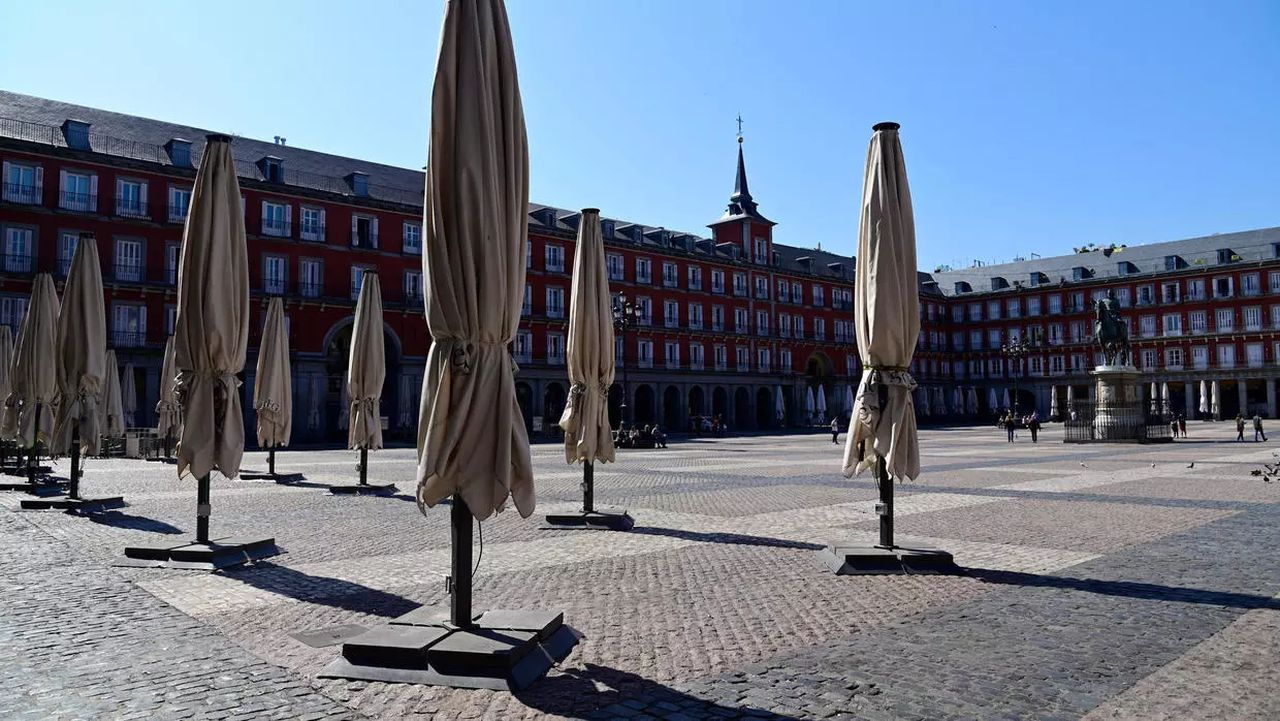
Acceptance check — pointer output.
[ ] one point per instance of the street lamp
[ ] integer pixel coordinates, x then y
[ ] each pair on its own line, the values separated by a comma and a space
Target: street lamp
1015, 351
626, 317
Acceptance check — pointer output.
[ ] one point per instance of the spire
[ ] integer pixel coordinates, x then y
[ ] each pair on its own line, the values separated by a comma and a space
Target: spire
741, 205
740, 191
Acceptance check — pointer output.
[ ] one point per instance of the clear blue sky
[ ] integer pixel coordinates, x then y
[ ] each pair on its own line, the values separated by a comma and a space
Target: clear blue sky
1028, 126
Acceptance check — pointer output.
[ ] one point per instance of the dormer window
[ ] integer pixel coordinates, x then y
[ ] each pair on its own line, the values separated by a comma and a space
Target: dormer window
1125, 267
777, 259
730, 248
179, 151
836, 268
998, 283
359, 183
606, 229
1037, 278
1079, 273
963, 287
271, 169
76, 133
1227, 255
1175, 262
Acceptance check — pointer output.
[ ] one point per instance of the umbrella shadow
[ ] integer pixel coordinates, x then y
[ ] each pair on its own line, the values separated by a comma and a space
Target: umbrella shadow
322, 590
1130, 589
600, 692
738, 539
134, 523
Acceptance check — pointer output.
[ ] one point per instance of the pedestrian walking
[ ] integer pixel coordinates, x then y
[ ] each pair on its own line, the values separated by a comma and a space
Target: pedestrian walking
1173, 427
835, 430
1010, 424
1182, 425
1257, 428
1239, 427
1033, 425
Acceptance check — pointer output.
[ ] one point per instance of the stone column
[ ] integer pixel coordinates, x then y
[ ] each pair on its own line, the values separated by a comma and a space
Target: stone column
1189, 398
1242, 390
1271, 398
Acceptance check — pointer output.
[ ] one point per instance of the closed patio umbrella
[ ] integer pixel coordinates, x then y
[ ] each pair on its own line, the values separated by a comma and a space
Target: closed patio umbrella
941, 394
129, 395
33, 375
993, 402
809, 405
168, 415
779, 406
81, 359
1005, 397
1155, 398
1215, 404
957, 400
1053, 402
272, 392
973, 401
1164, 396
6, 360
822, 403
366, 372
1204, 397
317, 398
112, 399
211, 334
848, 400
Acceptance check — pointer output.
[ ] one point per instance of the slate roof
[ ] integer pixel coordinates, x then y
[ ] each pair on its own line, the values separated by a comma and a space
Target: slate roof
1133, 261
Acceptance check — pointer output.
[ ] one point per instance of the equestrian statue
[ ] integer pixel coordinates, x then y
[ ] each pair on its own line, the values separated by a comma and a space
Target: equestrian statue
1111, 332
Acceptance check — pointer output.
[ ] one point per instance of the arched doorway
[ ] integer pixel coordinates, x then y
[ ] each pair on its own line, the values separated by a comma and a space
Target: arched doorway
643, 414
337, 359
671, 409
765, 409
553, 400
742, 407
697, 402
615, 406
524, 397
720, 403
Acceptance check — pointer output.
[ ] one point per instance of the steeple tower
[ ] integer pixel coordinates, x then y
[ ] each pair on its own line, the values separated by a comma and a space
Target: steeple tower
742, 224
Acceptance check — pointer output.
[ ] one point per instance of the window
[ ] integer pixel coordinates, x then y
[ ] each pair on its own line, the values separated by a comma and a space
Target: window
995, 368
66, 251
523, 350
357, 279
1173, 359
670, 275
1273, 281
1198, 322
741, 357
850, 365
1172, 324
975, 339
784, 360
1056, 366
646, 310
1253, 318
1122, 297
797, 293
1078, 363
739, 320
364, 231
1223, 287
695, 316
784, 325
555, 302
717, 281
818, 299
695, 356
273, 274
993, 310
618, 350
644, 353
23, 183
179, 203
1249, 284
555, 348
1149, 359
1226, 355
614, 263
128, 260
762, 288
1275, 316
975, 311
819, 328
1200, 357
957, 340
671, 314
528, 255
1146, 295
993, 338
762, 322
413, 285
1169, 293
1013, 308
740, 284
412, 238
717, 318
170, 319
672, 355
695, 278
797, 325
762, 250
310, 279
526, 309
129, 325
79, 192
555, 258
1077, 330
722, 357
762, 360
1033, 306
13, 308
131, 198
643, 269
1147, 325
1225, 320
957, 313
172, 252
1195, 289
312, 223
1055, 304
276, 219
784, 291
1036, 365
1253, 355
1077, 302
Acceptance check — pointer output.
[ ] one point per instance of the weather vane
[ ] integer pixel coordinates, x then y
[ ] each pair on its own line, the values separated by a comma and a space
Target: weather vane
739, 126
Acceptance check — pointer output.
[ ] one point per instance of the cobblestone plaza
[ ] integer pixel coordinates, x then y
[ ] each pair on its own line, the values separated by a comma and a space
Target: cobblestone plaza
1102, 582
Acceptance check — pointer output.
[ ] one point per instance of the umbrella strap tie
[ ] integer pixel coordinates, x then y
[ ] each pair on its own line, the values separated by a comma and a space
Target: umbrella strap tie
578, 389
462, 349
267, 404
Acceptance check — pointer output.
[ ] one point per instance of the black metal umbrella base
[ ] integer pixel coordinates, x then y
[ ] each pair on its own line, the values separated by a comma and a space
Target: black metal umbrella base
602, 519
362, 489
217, 554
503, 650
43, 487
82, 505
847, 559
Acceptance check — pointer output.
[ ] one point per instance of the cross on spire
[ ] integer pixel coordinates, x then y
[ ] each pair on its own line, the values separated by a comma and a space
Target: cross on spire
739, 126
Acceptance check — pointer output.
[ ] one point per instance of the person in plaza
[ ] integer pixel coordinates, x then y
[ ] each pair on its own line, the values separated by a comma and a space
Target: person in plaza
1010, 424
1257, 428
1033, 425
835, 430
1239, 427
1173, 426
659, 438
1182, 425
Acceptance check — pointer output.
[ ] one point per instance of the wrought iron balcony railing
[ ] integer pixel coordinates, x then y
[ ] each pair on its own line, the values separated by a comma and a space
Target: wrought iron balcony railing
17, 263
21, 193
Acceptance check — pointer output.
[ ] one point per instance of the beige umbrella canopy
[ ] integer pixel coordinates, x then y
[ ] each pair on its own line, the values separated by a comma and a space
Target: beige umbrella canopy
168, 415
272, 395
6, 360
887, 315
587, 435
112, 400
33, 376
471, 437
81, 352
367, 369
128, 395
212, 330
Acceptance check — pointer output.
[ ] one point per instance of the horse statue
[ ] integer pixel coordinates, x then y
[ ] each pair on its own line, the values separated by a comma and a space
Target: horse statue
1110, 332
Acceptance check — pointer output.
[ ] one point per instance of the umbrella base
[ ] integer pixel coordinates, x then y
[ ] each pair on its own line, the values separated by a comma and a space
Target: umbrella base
50, 487
847, 559
217, 554
82, 505
357, 489
601, 519
23, 471
503, 650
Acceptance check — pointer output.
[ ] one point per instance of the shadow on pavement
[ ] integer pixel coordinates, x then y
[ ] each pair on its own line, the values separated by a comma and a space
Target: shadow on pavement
728, 538
322, 590
1130, 589
131, 522
600, 692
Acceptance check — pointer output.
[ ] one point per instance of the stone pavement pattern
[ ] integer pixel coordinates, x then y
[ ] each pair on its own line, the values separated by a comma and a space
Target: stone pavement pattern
1099, 586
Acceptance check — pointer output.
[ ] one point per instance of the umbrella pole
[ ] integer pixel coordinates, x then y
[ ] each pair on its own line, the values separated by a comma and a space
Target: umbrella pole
588, 487
271, 461
202, 510
33, 456
364, 465
886, 503
73, 490
460, 580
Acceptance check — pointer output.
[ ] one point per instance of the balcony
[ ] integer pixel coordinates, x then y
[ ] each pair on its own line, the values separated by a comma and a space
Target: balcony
78, 202
667, 281
365, 240
20, 193
555, 311
526, 310
277, 227
17, 263
128, 272
740, 291
645, 363
273, 286
131, 208
1254, 362
312, 231
128, 339
643, 278
178, 213
522, 355
310, 290
555, 359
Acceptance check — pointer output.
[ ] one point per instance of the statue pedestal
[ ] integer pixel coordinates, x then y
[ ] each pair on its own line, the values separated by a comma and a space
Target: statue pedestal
1118, 415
